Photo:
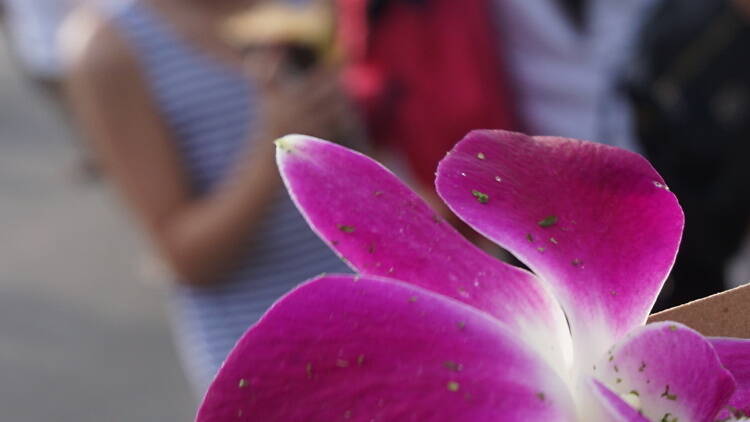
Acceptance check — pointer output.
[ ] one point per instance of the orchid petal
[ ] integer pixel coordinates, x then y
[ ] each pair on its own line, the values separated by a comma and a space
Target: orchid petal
362, 349
596, 222
383, 228
672, 369
734, 354
609, 407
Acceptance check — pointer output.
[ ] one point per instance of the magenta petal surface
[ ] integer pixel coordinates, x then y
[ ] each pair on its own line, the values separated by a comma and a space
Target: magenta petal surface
594, 221
363, 349
673, 370
609, 407
380, 227
735, 356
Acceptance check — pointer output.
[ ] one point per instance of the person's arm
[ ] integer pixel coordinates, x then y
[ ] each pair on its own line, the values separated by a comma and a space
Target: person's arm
199, 237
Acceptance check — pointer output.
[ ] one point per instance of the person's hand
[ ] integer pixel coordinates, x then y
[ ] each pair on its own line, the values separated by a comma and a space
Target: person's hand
311, 104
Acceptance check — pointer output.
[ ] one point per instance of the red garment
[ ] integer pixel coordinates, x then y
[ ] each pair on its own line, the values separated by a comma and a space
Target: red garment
426, 74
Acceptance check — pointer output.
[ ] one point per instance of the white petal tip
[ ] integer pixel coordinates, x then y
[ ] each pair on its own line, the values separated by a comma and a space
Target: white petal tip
287, 144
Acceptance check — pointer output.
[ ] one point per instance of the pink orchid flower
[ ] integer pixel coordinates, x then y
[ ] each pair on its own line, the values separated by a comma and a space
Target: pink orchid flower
433, 329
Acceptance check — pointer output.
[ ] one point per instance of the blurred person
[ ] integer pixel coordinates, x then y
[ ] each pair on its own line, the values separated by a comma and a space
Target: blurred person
566, 59
424, 72
428, 71
183, 124
32, 28
691, 90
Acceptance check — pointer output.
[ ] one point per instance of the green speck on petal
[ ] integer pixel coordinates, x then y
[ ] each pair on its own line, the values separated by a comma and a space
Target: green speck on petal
642, 367
668, 418
667, 395
576, 262
480, 155
540, 395
413, 299
308, 370
360, 360
482, 198
635, 393
548, 221
242, 383
453, 366
618, 380
673, 327
461, 325
345, 228
453, 386
342, 363
530, 237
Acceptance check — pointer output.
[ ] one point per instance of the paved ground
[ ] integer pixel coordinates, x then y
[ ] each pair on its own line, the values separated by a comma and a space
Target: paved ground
82, 337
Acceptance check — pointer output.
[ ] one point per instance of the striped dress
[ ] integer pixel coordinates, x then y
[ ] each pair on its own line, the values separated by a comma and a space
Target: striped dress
210, 108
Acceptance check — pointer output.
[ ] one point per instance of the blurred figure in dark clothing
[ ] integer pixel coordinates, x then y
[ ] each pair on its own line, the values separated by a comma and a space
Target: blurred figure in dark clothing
690, 86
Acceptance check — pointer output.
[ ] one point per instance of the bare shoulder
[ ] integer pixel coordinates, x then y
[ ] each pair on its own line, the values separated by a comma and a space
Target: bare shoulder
92, 47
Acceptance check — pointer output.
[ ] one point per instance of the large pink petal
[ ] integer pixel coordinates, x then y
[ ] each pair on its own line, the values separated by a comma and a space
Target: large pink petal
735, 356
609, 407
365, 349
594, 221
673, 370
382, 228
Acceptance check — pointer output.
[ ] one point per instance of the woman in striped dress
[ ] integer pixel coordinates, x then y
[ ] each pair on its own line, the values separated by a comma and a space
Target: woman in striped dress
185, 131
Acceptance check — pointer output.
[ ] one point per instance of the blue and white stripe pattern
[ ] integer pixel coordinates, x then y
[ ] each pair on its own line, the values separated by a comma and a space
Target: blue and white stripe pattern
210, 108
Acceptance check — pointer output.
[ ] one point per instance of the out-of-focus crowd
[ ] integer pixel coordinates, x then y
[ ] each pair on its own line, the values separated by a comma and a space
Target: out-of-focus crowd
177, 102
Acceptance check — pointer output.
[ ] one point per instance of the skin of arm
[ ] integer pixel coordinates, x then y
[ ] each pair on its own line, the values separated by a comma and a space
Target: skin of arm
199, 237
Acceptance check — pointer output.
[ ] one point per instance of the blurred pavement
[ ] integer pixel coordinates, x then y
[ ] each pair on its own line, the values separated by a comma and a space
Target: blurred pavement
82, 338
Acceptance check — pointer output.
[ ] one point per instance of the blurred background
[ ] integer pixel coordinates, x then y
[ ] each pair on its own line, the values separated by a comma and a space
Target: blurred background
83, 335
140, 213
